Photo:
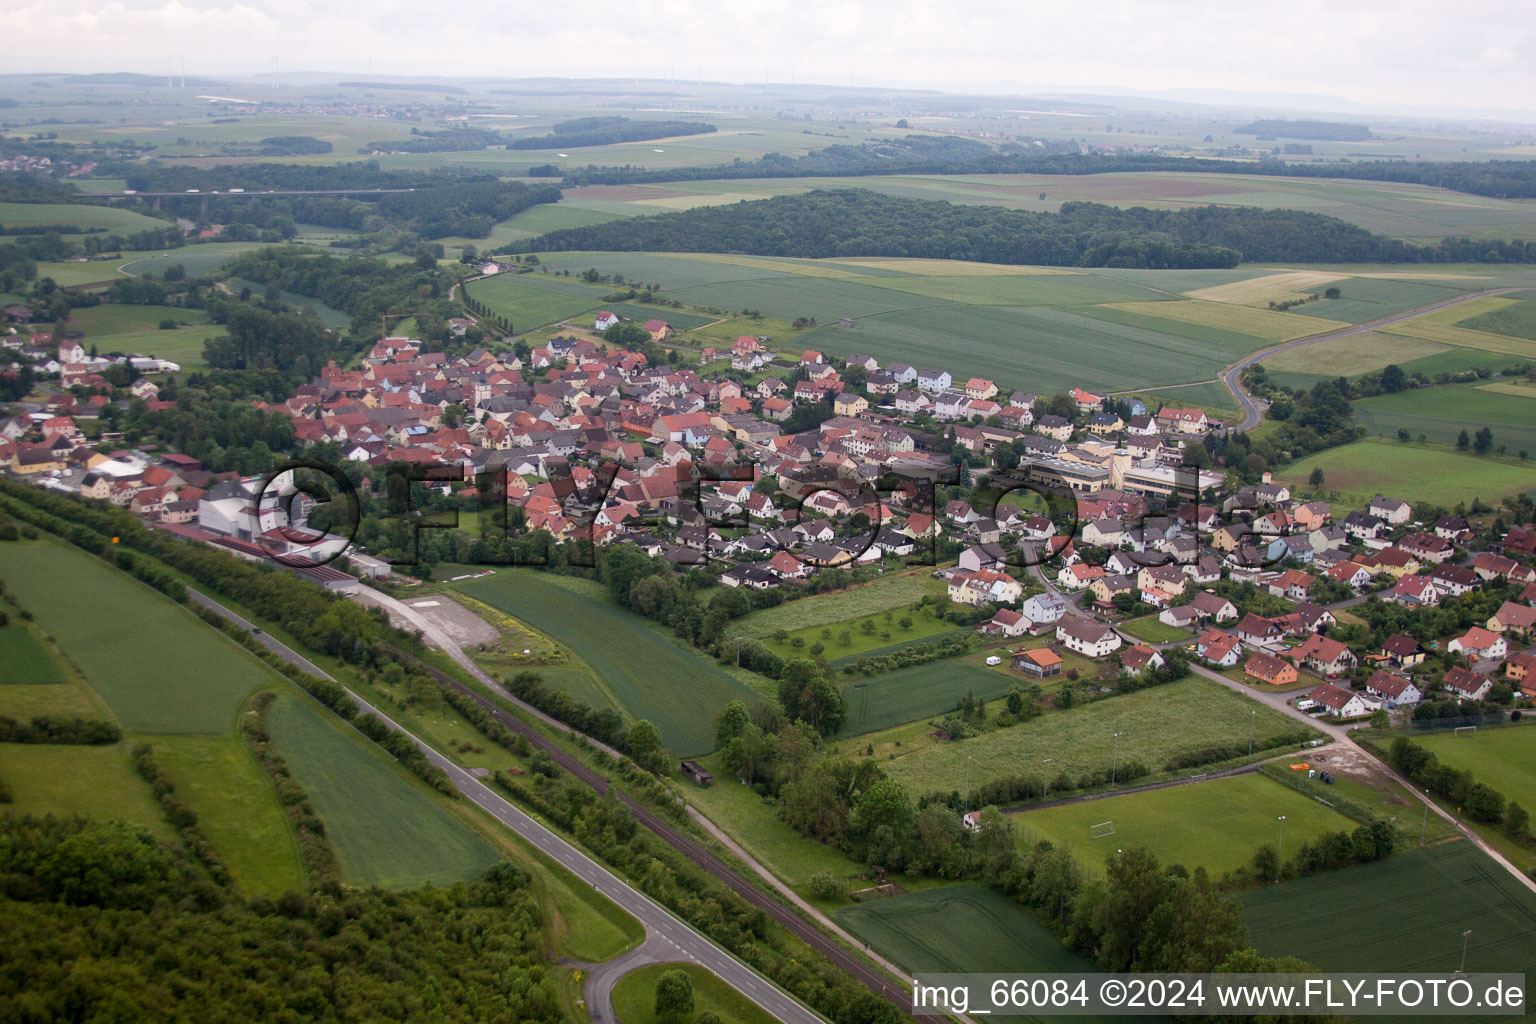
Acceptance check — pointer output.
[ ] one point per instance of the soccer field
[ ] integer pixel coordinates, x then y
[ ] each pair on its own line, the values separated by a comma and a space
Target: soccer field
1504, 758
1216, 825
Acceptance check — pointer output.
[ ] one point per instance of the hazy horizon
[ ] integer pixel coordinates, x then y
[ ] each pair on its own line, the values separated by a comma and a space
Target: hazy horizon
1473, 59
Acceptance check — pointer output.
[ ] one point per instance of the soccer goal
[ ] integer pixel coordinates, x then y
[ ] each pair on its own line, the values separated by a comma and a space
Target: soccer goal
1465, 729
1102, 829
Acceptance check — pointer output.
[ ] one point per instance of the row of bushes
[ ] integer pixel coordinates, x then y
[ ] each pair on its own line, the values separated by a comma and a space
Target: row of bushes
1229, 751
181, 817
605, 726
1481, 801
89, 540
320, 863
85, 732
1331, 850
1019, 788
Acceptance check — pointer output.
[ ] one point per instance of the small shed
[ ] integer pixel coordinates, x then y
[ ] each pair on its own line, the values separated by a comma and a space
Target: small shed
845, 321
696, 772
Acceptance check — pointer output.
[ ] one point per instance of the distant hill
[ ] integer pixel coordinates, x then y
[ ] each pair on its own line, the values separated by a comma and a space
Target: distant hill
1316, 131
129, 78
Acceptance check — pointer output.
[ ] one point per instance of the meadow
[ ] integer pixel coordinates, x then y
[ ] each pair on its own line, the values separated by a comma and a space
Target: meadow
1178, 824
1442, 412
135, 330
113, 219
960, 929
156, 664
25, 656
644, 673
1154, 724
384, 830
93, 782
1358, 471
220, 781
1148, 628
634, 997
1356, 919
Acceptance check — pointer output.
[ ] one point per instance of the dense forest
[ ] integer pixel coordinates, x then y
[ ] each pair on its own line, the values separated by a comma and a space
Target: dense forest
856, 222
452, 140
103, 923
918, 154
605, 131
157, 176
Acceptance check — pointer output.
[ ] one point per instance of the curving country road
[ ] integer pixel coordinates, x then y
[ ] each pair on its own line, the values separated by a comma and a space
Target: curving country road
1232, 375
668, 937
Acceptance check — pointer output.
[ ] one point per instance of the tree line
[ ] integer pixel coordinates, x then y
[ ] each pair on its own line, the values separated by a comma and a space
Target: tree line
858, 222
606, 131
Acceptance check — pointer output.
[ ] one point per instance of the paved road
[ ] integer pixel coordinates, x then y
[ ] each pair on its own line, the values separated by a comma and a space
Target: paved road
665, 931
408, 618
1232, 375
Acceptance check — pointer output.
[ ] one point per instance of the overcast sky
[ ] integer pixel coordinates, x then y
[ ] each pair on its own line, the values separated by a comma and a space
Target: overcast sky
1475, 55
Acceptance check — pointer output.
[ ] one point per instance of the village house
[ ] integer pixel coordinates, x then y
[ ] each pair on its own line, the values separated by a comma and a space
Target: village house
1136, 659
1394, 690
1267, 668
1087, 637
1513, 619
1465, 684
1339, 703
1477, 643
1219, 648
1326, 656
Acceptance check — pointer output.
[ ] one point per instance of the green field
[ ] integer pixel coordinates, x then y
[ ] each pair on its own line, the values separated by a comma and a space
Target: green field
204, 258
640, 313
1504, 758
25, 657
959, 929
385, 830
1443, 412
157, 665
219, 779
22, 701
915, 693
1356, 919
94, 782
1363, 469
1177, 824
886, 593
1154, 724
647, 675
1517, 320
1148, 628
113, 219
135, 330
531, 301
634, 997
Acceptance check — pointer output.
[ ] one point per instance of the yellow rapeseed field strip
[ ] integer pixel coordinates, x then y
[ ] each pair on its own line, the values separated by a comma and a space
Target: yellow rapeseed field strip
1277, 287
1257, 323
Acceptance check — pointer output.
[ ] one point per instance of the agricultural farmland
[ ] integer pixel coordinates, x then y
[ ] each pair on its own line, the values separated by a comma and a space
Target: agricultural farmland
113, 219
1442, 412
1358, 471
120, 645
25, 657
135, 330
1164, 821
1046, 329
385, 830
1154, 725
1354, 919
887, 593
916, 693
959, 928
643, 672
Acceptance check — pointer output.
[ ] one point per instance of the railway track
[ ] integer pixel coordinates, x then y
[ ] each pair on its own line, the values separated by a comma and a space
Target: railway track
685, 845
